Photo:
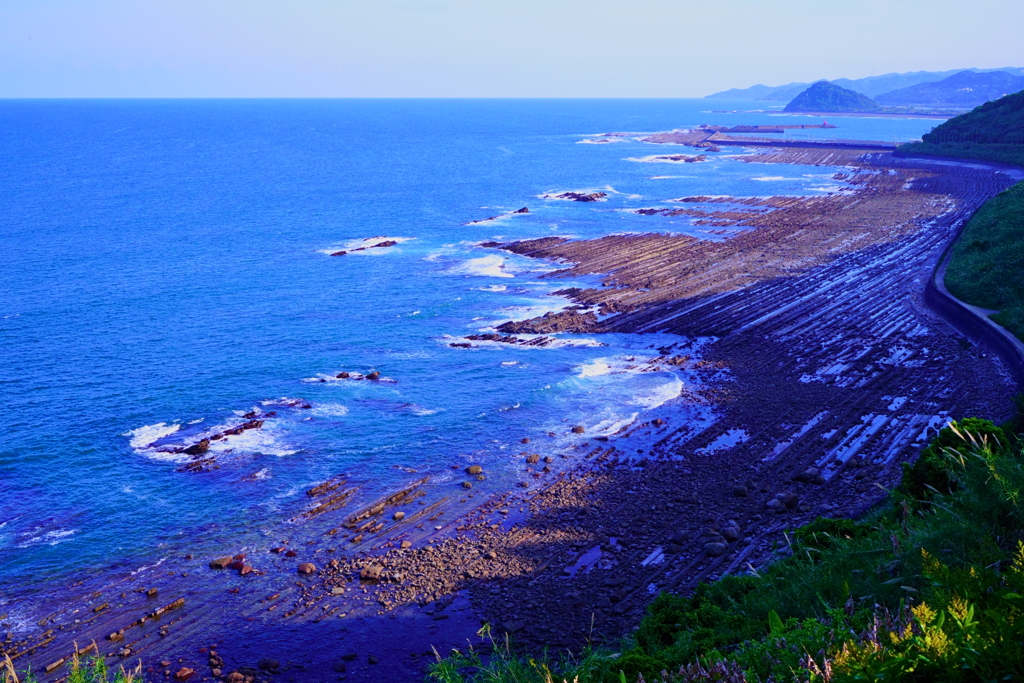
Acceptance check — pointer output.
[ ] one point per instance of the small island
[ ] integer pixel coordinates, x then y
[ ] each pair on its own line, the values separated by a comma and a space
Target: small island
829, 97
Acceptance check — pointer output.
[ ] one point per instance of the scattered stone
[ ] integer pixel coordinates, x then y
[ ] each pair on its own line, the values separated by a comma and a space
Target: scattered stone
715, 549
578, 429
221, 562
306, 568
151, 593
184, 673
373, 375
532, 459
474, 469
467, 485
291, 553
371, 572
790, 500
371, 659
406, 545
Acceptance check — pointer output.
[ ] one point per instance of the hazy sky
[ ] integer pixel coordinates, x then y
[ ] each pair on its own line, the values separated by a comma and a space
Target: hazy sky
484, 48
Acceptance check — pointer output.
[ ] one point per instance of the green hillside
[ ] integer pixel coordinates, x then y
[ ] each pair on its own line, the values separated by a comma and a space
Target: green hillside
993, 132
829, 97
986, 267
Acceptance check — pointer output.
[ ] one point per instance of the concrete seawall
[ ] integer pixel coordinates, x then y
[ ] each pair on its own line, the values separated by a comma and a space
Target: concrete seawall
971, 321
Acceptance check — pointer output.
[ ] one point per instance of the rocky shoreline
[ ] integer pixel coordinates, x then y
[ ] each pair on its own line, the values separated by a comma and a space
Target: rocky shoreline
825, 373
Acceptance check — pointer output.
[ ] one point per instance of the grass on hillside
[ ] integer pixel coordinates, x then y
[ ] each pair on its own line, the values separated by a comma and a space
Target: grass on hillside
987, 265
1000, 152
992, 132
930, 587
93, 670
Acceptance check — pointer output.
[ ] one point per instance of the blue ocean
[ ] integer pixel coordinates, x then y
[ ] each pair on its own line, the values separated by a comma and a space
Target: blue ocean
166, 269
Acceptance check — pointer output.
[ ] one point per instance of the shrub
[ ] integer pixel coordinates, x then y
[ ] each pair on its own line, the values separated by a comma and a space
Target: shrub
931, 472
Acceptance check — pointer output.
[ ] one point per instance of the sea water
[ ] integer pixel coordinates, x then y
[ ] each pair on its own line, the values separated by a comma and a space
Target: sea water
166, 268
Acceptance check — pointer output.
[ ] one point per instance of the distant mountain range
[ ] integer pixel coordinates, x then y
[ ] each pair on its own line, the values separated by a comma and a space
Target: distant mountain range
966, 89
879, 87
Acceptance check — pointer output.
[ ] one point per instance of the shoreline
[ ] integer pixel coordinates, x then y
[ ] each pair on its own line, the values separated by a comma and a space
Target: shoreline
618, 523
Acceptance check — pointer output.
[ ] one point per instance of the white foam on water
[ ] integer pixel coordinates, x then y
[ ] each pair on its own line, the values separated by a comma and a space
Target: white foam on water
534, 310
485, 266
661, 394
613, 425
262, 474
49, 538
772, 178
510, 362
329, 410
142, 437
365, 243
149, 566
252, 442
660, 159
419, 411
595, 369
493, 288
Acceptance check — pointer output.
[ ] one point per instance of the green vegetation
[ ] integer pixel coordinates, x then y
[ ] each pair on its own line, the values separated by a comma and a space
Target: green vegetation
824, 96
985, 268
93, 670
929, 587
992, 132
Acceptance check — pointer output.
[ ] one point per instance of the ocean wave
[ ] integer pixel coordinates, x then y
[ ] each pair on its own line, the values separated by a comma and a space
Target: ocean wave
329, 410
666, 159
49, 538
595, 369
146, 567
364, 245
420, 411
261, 441
660, 395
144, 437
484, 266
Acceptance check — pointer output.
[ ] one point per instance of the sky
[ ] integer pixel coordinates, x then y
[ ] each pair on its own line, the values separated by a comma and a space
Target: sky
484, 48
